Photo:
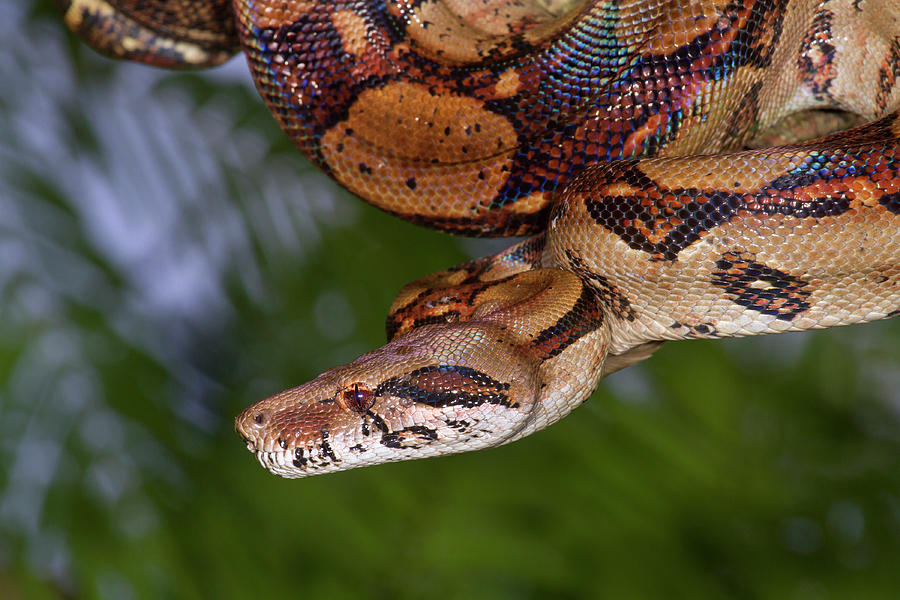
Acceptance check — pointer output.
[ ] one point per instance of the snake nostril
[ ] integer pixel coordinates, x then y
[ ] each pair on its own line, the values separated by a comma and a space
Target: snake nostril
249, 423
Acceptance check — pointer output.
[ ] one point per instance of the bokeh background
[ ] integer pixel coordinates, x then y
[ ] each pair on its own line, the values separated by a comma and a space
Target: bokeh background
167, 258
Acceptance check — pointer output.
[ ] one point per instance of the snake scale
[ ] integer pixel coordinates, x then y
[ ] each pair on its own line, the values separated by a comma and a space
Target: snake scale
672, 161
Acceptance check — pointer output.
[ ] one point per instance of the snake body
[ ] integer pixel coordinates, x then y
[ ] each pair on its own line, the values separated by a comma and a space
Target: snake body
615, 132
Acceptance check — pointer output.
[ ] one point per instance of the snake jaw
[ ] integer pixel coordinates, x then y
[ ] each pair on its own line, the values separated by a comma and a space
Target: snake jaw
431, 392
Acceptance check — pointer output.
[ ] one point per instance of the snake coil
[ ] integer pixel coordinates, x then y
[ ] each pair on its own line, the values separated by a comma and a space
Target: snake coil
655, 150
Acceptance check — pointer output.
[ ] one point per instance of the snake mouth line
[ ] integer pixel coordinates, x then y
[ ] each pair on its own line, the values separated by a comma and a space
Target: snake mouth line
271, 460
275, 461
296, 461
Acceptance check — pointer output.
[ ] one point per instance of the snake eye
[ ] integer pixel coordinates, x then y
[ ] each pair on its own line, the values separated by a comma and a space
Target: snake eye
357, 397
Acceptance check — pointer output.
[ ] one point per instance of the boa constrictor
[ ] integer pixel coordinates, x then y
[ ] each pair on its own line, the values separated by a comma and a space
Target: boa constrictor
614, 131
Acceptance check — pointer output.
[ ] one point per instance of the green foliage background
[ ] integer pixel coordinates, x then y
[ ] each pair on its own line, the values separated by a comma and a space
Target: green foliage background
167, 258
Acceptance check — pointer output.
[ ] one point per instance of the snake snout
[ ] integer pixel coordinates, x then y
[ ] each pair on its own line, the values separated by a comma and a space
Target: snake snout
251, 424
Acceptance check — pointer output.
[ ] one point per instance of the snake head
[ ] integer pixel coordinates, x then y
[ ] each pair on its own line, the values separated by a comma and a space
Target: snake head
440, 389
